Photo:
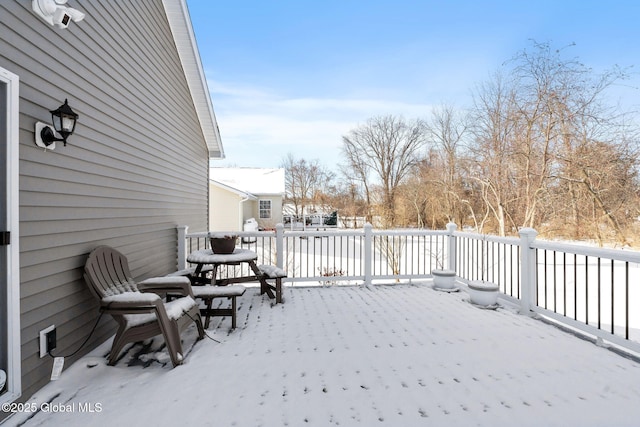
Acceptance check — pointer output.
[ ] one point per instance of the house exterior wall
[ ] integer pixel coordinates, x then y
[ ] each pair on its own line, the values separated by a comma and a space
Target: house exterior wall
224, 212
276, 211
130, 173
249, 209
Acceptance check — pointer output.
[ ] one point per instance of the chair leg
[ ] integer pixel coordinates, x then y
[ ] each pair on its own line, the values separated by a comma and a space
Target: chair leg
172, 339
233, 314
208, 302
278, 290
118, 343
198, 322
171, 335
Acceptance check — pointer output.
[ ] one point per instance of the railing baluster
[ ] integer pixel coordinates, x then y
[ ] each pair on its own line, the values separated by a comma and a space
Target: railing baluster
612, 298
575, 286
545, 280
599, 300
626, 299
586, 289
555, 283
518, 269
511, 269
564, 283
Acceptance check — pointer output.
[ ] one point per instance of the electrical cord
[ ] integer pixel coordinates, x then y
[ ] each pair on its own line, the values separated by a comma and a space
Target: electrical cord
205, 331
85, 341
96, 325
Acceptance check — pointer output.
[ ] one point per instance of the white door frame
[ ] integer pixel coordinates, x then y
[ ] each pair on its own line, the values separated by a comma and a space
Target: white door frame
14, 383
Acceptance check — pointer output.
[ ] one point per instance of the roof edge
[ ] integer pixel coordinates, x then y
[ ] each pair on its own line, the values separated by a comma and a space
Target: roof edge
239, 192
180, 22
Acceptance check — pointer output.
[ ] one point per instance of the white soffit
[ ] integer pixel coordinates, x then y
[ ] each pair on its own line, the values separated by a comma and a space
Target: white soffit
180, 23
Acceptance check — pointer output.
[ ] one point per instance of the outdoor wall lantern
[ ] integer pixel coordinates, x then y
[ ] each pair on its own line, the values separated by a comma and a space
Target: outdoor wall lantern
64, 123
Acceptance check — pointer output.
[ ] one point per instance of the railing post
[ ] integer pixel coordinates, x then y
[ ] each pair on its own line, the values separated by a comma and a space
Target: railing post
451, 228
368, 253
182, 246
527, 270
280, 245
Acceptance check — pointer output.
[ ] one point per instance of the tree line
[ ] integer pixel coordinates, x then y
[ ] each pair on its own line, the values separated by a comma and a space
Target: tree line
541, 146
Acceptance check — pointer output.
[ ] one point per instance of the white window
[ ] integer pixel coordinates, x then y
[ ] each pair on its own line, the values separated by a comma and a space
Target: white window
265, 209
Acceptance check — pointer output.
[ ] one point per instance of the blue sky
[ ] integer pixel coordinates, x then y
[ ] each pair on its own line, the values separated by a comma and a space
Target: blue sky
295, 76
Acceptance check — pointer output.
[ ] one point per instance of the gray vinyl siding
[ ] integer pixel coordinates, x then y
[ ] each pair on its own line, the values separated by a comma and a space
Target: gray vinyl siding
136, 166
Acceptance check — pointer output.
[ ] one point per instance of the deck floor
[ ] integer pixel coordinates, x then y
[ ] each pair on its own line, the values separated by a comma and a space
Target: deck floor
403, 355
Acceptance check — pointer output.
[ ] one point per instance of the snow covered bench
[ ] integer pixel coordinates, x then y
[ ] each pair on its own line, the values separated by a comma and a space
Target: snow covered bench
207, 293
276, 274
191, 273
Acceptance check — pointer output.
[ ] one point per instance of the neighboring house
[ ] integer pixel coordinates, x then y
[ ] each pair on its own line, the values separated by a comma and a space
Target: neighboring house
238, 194
135, 167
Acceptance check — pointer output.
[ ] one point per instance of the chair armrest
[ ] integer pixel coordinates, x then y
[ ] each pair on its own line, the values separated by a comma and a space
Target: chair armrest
131, 303
140, 303
169, 284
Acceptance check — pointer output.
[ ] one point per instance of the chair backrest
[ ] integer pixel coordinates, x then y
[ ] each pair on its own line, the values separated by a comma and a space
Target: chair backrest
107, 273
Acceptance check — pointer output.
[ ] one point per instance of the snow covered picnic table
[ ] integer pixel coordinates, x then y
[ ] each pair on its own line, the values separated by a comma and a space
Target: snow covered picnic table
397, 355
206, 257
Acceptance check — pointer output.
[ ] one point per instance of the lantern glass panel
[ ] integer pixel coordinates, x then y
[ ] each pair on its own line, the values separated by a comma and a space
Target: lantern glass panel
68, 123
57, 125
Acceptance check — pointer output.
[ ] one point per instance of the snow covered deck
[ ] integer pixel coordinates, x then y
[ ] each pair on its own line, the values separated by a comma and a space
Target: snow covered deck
403, 355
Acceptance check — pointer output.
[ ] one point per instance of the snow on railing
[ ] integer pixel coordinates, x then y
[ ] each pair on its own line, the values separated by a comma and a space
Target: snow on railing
591, 289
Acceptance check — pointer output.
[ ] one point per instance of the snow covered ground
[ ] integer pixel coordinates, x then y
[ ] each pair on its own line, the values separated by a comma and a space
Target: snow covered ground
398, 355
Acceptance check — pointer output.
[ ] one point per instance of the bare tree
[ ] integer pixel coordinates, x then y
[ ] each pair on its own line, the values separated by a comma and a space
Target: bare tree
543, 121
421, 200
349, 202
540, 148
306, 183
383, 152
493, 129
446, 131
598, 175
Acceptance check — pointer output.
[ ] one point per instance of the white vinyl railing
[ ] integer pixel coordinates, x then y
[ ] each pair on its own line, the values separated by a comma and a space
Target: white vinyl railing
591, 289
340, 256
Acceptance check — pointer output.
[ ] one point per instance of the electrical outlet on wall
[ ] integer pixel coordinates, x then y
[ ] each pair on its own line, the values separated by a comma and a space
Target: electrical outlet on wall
47, 340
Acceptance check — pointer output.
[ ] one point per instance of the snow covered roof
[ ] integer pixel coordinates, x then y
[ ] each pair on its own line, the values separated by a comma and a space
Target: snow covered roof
257, 181
399, 355
240, 193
